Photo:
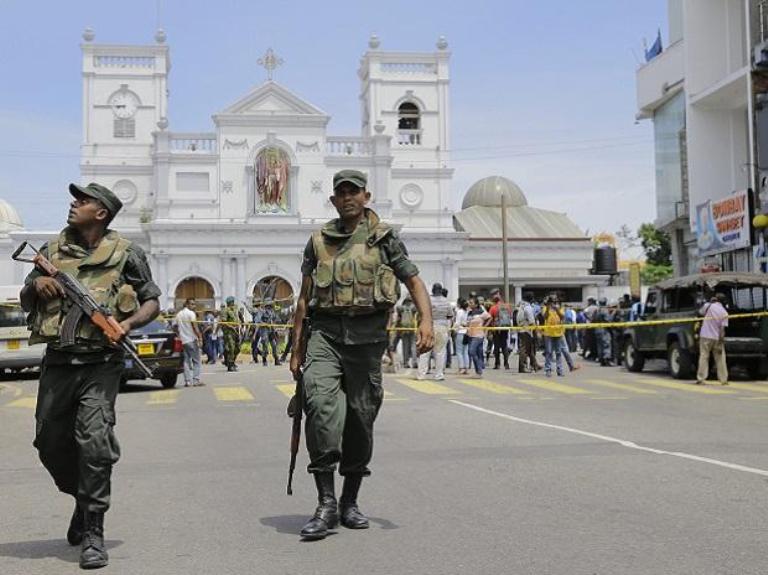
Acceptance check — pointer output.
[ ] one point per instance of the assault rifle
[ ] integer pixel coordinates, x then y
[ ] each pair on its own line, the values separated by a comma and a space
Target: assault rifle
295, 408
84, 306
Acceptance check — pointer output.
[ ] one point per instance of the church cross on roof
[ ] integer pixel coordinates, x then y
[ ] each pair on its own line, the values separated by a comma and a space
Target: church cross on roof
270, 61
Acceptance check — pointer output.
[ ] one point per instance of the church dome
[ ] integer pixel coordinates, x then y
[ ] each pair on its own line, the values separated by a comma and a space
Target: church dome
9, 217
487, 193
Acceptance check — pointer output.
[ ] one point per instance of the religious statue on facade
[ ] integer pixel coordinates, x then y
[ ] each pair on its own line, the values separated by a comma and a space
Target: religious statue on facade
272, 174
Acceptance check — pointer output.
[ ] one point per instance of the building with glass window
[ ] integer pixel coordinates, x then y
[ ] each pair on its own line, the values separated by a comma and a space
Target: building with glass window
702, 93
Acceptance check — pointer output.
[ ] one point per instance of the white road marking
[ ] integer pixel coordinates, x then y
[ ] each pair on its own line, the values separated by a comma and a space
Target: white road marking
622, 442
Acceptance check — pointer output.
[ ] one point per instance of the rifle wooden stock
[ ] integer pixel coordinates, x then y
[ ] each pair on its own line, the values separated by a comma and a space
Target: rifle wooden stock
296, 407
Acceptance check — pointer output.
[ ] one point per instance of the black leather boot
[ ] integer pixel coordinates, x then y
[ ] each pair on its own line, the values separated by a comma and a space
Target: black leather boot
351, 516
76, 526
93, 554
326, 515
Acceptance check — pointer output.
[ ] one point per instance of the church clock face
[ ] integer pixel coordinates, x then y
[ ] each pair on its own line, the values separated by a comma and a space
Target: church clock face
124, 104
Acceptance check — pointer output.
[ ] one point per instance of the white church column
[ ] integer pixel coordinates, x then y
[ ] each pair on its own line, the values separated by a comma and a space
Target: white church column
161, 279
450, 279
240, 278
226, 277
378, 180
162, 173
250, 187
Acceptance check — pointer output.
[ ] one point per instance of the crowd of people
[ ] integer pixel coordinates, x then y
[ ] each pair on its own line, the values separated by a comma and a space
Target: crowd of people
476, 329
470, 332
221, 333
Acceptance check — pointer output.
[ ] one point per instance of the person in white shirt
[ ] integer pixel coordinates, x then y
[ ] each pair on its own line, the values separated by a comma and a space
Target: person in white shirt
462, 339
191, 339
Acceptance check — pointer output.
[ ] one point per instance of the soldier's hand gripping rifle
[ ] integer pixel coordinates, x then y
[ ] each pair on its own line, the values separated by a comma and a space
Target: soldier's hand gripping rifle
83, 306
295, 409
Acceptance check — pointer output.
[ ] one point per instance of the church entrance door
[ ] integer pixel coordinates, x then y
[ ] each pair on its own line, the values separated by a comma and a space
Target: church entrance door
198, 288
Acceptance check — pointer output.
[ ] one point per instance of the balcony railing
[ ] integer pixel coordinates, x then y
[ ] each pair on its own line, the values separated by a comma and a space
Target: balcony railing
193, 144
408, 68
124, 61
409, 137
343, 146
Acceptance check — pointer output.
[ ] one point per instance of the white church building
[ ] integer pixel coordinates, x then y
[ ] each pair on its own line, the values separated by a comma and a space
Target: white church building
222, 212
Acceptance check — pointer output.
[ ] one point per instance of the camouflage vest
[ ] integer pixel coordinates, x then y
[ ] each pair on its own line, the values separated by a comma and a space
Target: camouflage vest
350, 277
100, 272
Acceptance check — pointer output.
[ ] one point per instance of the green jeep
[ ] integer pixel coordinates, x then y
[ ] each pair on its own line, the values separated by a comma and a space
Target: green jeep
746, 339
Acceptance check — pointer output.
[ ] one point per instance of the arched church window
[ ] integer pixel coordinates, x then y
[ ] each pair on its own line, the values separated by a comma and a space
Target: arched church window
408, 124
272, 172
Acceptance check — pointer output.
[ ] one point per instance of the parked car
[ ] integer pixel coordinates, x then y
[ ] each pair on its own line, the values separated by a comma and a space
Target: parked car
746, 339
15, 353
160, 349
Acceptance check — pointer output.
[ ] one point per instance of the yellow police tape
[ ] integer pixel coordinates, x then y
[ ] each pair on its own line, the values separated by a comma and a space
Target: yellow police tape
595, 325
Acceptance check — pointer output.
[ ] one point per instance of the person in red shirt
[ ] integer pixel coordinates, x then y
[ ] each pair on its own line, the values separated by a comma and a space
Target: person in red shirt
501, 312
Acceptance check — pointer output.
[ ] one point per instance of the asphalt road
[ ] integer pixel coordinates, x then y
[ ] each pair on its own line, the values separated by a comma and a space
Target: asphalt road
598, 472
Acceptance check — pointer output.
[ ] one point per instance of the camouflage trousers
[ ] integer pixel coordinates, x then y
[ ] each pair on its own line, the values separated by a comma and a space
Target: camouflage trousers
74, 435
342, 397
231, 347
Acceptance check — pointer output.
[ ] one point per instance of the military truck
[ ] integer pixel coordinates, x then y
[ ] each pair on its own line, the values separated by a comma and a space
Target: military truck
746, 339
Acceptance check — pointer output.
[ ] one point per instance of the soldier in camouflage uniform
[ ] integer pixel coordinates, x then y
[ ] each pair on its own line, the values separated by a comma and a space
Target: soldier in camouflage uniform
230, 320
351, 273
79, 383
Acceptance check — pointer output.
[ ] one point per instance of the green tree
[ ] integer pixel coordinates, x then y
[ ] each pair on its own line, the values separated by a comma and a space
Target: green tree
651, 274
658, 254
656, 244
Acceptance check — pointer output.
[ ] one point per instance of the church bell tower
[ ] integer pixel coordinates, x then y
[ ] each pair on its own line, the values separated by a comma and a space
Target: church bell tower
406, 95
125, 99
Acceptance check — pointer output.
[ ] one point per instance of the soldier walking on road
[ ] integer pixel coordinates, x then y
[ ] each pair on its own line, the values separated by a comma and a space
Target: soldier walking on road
230, 321
269, 335
351, 272
256, 330
79, 383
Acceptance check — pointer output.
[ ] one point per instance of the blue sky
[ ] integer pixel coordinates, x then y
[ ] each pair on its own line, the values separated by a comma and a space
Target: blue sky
541, 92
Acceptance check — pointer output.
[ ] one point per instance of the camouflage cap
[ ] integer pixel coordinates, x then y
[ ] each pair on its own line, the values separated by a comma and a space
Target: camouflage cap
98, 192
354, 177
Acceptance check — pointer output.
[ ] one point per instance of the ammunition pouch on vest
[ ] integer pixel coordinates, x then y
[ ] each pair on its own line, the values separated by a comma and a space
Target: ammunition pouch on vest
351, 276
101, 273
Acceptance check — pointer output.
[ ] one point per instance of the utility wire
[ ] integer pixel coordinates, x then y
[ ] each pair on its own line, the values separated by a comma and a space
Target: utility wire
510, 154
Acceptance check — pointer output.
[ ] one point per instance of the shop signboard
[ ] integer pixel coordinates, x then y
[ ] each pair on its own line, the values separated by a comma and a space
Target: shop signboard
723, 225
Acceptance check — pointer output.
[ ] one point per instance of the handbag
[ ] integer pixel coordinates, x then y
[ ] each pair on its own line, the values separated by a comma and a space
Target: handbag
465, 339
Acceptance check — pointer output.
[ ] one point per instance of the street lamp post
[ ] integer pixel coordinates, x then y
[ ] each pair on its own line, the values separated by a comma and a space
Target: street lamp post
504, 245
